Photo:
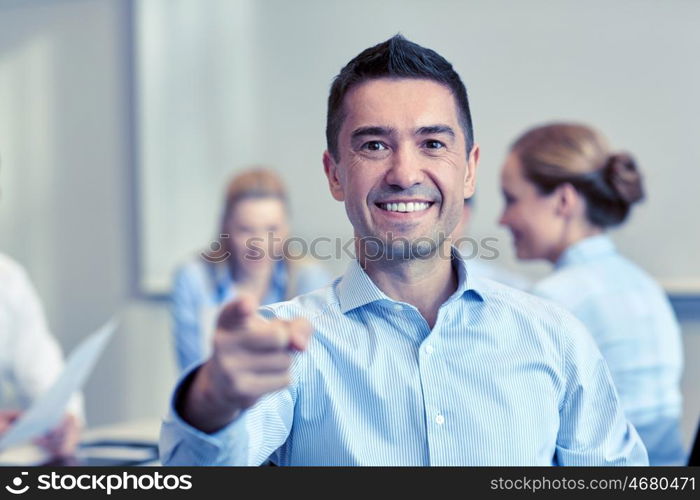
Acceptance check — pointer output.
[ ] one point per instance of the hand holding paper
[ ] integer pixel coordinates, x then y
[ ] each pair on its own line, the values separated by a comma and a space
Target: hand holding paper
48, 411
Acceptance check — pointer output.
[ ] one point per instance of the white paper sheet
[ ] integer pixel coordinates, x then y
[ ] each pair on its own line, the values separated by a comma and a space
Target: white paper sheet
47, 411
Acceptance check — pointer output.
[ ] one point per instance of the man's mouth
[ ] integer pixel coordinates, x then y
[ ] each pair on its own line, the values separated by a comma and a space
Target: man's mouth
405, 206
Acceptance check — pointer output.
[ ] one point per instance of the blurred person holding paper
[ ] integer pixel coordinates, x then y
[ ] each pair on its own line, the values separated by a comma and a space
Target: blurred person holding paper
30, 358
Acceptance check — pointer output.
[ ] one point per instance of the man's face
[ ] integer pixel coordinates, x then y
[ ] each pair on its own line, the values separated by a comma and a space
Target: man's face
403, 169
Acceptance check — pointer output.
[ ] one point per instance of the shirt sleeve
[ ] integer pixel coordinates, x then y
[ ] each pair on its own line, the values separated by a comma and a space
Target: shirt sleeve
37, 359
249, 440
184, 310
593, 428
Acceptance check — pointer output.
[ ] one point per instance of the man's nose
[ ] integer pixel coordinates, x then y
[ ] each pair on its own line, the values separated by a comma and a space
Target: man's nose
405, 169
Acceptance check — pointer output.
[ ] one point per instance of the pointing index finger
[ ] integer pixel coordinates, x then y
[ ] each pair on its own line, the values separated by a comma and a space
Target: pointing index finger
237, 314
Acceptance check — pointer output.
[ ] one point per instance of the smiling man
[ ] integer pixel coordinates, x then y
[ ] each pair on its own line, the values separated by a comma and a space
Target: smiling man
406, 359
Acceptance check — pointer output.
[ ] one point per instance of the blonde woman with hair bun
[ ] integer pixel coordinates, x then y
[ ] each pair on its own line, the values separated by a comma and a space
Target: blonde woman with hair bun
563, 189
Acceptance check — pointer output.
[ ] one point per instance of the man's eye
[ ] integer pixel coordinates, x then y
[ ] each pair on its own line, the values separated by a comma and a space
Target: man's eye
374, 146
433, 144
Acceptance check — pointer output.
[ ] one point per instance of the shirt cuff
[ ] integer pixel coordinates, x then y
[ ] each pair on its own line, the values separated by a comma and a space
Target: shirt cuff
183, 444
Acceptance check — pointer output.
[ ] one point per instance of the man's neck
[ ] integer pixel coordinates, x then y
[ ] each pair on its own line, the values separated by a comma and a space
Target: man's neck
423, 283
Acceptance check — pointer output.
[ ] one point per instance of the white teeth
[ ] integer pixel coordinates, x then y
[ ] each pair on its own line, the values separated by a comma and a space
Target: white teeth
405, 207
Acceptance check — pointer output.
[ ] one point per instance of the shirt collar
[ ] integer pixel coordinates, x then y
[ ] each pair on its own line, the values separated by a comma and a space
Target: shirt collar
585, 250
356, 288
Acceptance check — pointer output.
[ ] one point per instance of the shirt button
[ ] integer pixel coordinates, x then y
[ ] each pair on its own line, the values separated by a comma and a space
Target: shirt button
439, 420
429, 349
398, 307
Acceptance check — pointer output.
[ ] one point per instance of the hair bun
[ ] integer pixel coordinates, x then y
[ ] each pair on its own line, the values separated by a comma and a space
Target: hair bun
622, 174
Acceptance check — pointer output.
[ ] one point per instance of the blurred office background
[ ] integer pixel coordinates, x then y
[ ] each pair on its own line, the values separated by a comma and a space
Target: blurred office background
121, 120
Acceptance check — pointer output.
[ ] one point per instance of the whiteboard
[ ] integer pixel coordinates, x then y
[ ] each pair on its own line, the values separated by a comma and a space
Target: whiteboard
224, 84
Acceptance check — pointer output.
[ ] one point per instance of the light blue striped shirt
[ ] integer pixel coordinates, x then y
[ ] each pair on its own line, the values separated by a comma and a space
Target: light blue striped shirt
635, 328
503, 378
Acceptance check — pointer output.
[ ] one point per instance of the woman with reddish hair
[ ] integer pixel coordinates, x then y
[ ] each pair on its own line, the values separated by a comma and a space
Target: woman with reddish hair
249, 259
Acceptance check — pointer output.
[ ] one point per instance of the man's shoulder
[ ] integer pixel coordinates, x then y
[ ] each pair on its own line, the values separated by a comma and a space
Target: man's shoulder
526, 308
309, 305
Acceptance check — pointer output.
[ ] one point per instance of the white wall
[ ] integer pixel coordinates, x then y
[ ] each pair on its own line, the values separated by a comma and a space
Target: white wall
67, 193
629, 67
67, 206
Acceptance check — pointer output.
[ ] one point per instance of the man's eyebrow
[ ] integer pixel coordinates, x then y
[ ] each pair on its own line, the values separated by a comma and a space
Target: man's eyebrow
436, 129
372, 130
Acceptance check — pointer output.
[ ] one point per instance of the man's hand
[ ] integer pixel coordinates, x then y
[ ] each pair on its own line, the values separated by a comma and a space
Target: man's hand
62, 441
251, 357
7, 418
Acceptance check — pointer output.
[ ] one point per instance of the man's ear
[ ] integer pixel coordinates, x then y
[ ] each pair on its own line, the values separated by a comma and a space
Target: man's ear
331, 170
569, 202
470, 176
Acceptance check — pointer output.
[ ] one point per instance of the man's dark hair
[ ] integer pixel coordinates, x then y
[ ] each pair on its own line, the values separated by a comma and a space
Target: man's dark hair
394, 58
